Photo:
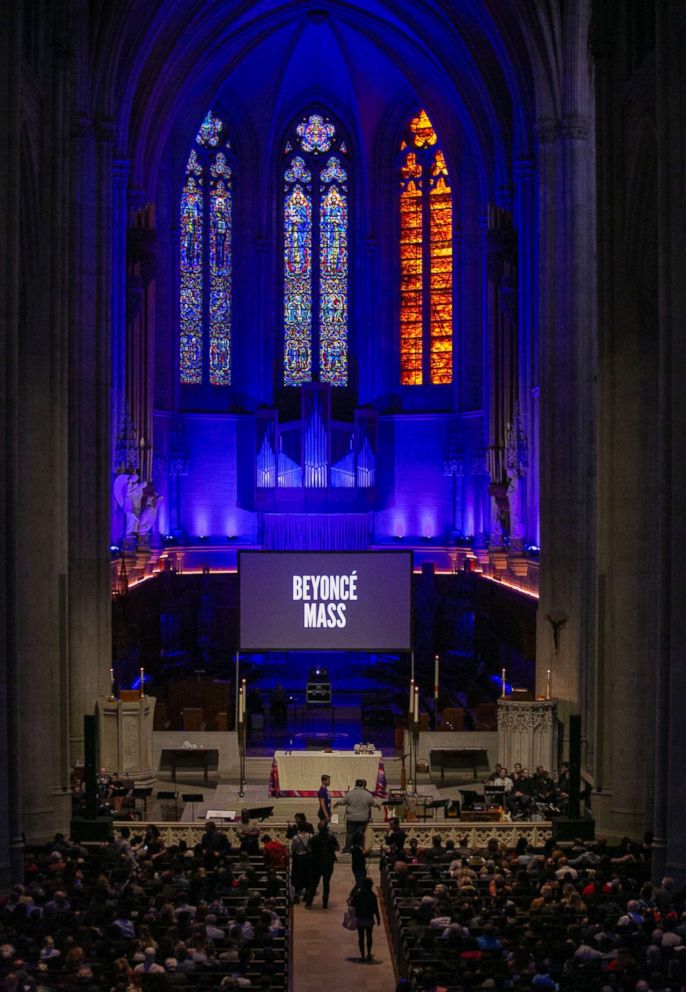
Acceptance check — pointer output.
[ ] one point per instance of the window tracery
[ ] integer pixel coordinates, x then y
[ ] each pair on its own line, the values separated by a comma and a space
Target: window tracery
316, 261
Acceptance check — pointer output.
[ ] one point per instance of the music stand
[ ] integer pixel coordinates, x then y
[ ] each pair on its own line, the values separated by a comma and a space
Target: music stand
192, 798
494, 795
143, 794
436, 805
171, 795
261, 813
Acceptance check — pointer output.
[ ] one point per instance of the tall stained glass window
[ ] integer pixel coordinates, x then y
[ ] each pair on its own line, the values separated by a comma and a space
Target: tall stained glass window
426, 258
315, 247
205, 259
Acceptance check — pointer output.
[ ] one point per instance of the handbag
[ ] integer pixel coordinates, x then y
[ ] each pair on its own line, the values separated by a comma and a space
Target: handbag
350, 919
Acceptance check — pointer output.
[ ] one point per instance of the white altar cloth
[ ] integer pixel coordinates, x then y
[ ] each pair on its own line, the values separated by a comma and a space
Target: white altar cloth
301, 771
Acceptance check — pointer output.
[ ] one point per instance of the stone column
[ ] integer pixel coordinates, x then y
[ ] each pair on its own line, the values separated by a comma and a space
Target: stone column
11, 855
567, 408
670, 675
89, 461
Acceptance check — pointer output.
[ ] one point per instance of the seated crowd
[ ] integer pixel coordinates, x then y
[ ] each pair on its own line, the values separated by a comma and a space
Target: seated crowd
136, 914
525, 792
582, 918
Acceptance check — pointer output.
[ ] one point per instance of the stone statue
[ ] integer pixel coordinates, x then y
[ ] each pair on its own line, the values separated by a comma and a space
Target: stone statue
138, 500
148, 511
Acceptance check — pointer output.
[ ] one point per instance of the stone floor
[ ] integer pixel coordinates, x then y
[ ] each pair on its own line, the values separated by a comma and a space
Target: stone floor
326, 955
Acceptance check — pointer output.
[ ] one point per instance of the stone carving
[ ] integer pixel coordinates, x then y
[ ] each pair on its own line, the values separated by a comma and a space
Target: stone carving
138, 500
516, 461
527, 733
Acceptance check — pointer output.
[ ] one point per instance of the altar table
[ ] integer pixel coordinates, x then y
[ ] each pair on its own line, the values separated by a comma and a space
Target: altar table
300, 772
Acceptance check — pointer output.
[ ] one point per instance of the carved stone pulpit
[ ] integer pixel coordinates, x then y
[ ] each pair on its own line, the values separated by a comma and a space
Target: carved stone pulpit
527, 733
125, 737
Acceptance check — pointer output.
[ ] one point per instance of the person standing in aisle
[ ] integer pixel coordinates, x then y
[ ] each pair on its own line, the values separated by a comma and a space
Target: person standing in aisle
324, 797
323, 848
366, 905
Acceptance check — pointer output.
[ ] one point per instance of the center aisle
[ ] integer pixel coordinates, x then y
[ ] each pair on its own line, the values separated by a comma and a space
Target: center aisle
326, 955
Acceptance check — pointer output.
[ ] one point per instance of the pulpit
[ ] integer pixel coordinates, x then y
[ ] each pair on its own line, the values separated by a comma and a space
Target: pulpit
125, 737
527, 733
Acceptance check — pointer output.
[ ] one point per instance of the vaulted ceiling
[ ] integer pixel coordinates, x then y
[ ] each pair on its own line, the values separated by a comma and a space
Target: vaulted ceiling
160, 65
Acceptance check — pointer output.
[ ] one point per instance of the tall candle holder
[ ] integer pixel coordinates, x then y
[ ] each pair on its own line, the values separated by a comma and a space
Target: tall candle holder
548, 684
503, 684
142, 683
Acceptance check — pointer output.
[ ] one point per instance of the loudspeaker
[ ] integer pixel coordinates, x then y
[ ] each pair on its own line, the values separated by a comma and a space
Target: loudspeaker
569, 828
574, 766
90, 763
99, 829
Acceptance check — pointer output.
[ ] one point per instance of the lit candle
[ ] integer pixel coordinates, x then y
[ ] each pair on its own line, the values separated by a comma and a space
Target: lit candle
112, 683
142, 681
415, 713
411, 706
436, 677
502, 678
548, 684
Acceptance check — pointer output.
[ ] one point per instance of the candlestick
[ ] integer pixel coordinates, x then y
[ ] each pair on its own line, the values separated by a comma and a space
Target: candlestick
548, 684
112, 695
142, 681
410, 709
436, 662
502, 678
415, 711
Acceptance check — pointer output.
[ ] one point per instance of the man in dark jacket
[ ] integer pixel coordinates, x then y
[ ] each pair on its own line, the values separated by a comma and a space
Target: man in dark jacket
323, 847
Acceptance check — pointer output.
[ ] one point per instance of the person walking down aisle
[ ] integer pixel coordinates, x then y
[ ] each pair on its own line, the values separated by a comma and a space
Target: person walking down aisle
366, 905
323, 847
358, 803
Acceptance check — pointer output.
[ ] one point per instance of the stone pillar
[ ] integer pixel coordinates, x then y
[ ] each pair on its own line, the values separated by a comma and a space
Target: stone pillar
11, 855
89, 461
125, 737
567, 335
37, 470
527, 733
670, 674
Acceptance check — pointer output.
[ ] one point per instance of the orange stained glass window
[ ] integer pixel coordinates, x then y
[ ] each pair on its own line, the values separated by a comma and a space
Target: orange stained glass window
426, 260
411, 273
441, 274
422, 130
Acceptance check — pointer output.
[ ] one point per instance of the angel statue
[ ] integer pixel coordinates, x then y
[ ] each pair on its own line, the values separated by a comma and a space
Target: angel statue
138, 500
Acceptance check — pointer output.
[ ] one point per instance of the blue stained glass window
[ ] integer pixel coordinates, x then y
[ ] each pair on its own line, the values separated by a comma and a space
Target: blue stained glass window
333, 297
209, 132
191, 224
205, 262
315, 256
316, 134
334, 172
298, 287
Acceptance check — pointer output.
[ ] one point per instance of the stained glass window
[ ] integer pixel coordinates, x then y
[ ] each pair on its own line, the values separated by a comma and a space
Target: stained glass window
191, 222
205, 261
315, 225
426, 258
209, 132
